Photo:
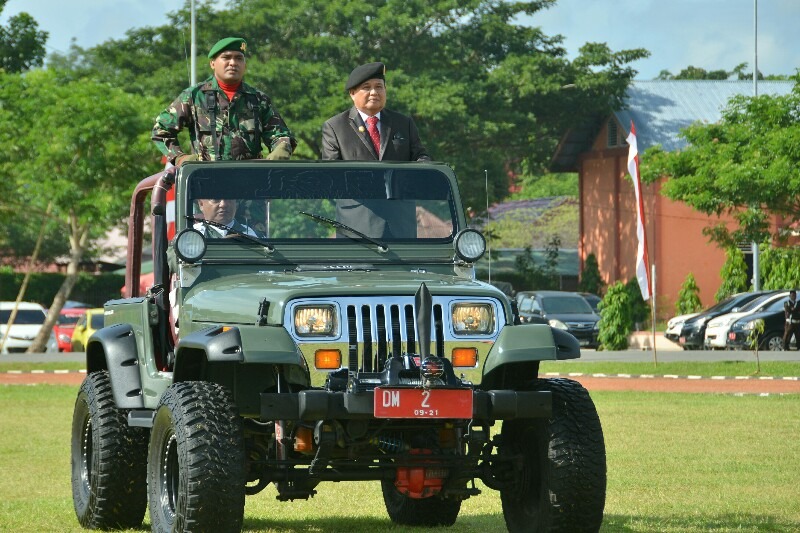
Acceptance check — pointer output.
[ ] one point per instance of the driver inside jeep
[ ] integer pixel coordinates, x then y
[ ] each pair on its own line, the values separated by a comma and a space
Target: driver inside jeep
219, 219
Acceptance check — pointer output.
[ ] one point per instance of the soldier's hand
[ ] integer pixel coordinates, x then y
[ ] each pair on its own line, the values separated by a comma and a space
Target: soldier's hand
282, 150
181, 159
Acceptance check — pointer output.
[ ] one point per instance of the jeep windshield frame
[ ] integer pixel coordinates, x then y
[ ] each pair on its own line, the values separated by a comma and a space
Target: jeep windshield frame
394, 203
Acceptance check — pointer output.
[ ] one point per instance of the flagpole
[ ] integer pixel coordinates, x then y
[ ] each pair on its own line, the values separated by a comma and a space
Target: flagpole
642, 260
653, 312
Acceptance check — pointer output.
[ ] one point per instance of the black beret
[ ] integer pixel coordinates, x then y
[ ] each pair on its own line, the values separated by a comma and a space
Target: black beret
370, 71
228, 43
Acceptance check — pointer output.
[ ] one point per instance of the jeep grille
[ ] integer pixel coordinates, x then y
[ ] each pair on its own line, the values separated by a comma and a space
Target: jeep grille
374, 329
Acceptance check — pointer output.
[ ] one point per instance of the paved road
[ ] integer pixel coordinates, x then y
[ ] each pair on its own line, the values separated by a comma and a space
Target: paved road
664, 356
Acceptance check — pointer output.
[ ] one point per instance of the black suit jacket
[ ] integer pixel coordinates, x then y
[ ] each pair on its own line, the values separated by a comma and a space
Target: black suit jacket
345, 136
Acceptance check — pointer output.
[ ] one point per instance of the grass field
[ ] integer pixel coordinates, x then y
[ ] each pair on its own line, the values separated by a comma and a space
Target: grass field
676, 463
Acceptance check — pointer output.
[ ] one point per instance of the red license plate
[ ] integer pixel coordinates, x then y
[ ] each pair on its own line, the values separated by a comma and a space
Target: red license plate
682, 340
732, 336
423, 403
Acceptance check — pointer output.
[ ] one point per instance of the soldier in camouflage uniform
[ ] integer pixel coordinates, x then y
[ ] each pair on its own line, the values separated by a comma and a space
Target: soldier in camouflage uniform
242, 116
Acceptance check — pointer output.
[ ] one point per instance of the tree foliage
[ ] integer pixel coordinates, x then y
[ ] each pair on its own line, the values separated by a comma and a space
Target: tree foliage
688, 297
534, 275
733, 274
84, 147
591, 280
780, 268
21, 43
486, 93
615, 318
747, 166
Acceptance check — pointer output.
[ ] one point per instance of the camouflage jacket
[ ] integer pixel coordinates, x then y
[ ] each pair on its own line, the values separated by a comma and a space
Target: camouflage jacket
241, 124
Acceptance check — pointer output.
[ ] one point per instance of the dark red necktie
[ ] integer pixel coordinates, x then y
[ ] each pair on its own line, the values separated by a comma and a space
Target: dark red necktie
374, 134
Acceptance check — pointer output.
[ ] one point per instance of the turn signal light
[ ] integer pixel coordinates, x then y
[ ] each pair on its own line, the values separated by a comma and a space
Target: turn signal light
465, 357
328, 359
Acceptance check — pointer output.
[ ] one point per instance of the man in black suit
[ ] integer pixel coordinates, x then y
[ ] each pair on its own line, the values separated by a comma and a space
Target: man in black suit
356, 135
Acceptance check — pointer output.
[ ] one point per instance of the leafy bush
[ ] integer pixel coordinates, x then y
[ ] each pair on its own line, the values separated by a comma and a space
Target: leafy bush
780, 268
639, 310
591, 281
615, 318
734, 275
688, 297
90, 288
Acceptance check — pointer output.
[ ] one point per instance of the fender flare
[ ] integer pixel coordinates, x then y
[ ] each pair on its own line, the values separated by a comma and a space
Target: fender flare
113, 348
515, 356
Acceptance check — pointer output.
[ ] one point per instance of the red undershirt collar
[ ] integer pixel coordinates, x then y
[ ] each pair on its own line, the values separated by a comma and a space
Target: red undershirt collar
229, 90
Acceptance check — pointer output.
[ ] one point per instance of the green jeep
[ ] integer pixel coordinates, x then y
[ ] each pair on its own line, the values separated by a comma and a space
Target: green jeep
334, 332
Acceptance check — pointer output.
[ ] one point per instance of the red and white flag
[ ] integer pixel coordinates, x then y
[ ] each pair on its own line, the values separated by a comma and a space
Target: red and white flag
642, 260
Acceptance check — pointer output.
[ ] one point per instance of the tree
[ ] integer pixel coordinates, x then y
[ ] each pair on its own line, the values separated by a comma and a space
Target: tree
733, 274
747, 166
591, 280
486, 93
84, 147
21, 43
615, 318
780, 268
688, 297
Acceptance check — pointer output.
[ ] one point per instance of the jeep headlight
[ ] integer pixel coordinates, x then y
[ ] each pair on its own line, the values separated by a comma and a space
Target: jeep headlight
473, 318
315, 321
470, 245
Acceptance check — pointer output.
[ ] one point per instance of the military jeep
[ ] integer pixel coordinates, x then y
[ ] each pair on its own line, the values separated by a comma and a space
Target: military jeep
340, 336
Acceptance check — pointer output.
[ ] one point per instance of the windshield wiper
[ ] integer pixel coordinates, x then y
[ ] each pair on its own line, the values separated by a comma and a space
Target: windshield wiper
382, 248
235, 232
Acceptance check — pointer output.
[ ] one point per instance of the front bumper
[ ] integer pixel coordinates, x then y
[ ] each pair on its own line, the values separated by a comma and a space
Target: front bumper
325, 405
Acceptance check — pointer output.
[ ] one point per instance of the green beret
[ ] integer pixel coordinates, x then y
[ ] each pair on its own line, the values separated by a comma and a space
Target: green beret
370, 71
228, 43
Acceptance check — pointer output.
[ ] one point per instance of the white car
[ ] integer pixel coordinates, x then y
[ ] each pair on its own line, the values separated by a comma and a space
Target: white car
27, 323
717, 329
674, 326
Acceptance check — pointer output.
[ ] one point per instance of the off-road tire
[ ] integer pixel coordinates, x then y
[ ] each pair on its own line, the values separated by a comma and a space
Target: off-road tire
561, 480
425, 512
195, 469
109, 484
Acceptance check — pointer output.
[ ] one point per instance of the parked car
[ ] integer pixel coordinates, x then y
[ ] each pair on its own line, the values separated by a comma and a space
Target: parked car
27, 324
65, 326
770, 339
89, 322
717, 329
693, 333
675, 325
568, 311
592, 299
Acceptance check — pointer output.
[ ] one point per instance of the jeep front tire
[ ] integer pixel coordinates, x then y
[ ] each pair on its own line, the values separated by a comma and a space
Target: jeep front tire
195, 470
560, 475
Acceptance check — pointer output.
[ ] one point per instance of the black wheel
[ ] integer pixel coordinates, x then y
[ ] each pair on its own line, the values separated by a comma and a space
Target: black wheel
109, 484
772, 342
561, 478
426, 512
195, 470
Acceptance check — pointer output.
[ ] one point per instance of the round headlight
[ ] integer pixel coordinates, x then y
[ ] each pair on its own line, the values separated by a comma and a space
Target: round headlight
190, 245
470, 245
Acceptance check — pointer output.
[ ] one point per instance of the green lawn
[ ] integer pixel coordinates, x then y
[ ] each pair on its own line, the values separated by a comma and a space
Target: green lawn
676, 463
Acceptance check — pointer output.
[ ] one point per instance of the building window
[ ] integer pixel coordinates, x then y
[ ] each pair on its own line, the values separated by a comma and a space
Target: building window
613, 133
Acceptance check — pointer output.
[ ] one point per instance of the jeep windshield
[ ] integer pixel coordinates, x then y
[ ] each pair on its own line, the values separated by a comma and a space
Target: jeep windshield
287, 203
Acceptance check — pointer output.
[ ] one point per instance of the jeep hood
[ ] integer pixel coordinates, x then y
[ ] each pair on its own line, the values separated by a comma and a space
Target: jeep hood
236, 299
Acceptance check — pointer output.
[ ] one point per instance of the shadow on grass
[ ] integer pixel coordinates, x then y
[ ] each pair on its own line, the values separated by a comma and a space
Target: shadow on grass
493, 522
720, 523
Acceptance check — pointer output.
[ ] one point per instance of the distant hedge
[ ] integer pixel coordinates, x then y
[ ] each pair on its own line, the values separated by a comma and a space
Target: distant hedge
93, 289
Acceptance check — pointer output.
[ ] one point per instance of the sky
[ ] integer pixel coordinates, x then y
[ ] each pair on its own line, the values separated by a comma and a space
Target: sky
709, 34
